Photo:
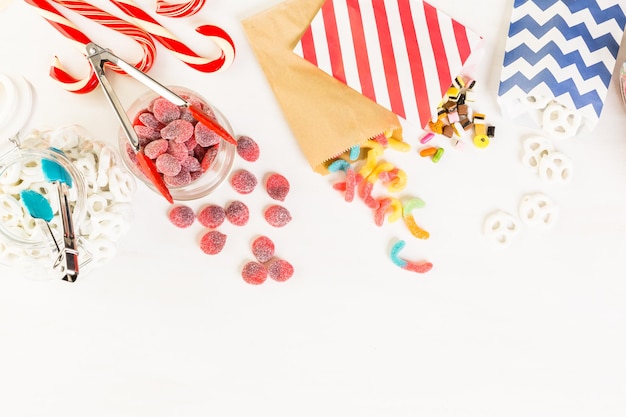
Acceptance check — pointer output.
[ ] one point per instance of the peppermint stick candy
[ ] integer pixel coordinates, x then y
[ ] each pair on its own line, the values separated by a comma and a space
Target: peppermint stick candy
180, 50
188, 8
71, 32
45, 9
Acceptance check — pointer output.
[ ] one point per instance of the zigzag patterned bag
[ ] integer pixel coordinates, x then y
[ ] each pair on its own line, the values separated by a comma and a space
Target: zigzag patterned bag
560, 55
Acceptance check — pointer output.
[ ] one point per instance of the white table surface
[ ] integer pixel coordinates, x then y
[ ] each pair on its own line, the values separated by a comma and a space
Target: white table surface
534, 329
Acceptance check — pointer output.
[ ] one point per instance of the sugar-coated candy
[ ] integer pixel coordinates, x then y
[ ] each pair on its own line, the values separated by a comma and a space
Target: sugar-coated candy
254, 273
243, 181
277, 216
146, 132
178, 130
177, 150
155, 148
237, 213
212, 242
179, 180
420, 267
280, 270
191, 164
277, 186
164, 110
205, 136
148, 119
209, 157
168, 164
182, 216
355, 151
247, 148
263, 248
338, 165
350, 185
211, 216
409, 220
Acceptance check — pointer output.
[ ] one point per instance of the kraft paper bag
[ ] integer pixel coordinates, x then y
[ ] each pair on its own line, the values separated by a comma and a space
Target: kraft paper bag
326, 116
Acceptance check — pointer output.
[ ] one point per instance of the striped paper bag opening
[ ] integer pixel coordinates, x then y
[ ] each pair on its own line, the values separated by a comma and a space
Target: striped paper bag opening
560, 54
326, 117
402, 54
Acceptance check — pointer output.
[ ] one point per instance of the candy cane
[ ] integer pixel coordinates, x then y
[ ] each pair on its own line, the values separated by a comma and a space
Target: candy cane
180, 50
189, 8
45, 9
71, 32
115, 23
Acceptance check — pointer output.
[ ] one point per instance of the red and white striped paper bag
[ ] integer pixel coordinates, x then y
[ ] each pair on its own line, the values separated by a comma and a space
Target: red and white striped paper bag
402, 54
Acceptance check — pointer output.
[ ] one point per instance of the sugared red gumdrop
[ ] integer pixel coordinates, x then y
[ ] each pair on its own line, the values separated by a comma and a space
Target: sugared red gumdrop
178, 130
254, 273
165, 111
277, 216
146, 132
247, 149
277, 186
208, 156
205, 136
155, 148
168, 164
179, 180
237, 213
263, 248
212, 242
243, 181
182, 216
191, 164
177, 150
149, 120
280, 270
212, 216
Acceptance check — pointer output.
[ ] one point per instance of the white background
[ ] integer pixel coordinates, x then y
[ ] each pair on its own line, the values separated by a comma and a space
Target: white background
534, 329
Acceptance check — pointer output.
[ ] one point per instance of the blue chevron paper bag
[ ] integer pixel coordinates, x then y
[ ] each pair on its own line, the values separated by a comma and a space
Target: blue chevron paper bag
561, 52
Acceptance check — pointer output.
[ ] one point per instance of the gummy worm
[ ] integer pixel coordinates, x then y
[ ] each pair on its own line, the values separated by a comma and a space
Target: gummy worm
409, 220
354, 152
376, 149
180, 50
398, 145
337, 165
386, 205
179, 9
420, 267
398, 183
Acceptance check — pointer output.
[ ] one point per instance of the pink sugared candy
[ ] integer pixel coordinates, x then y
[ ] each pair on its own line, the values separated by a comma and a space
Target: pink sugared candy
280, 270
237, 213
165, 111
254, 273
182, 216
179, 180
247, 148
263, 249
277, 216
168, 165
212, 216
243, 181
277, 186
155, 148
212, 242
178, 130
205, 136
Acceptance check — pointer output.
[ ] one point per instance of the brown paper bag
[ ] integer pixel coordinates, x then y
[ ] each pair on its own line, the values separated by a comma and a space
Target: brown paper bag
326, 116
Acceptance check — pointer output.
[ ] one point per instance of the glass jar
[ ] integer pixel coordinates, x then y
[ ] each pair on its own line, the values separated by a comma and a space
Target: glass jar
201, 182
25, 242
100, 202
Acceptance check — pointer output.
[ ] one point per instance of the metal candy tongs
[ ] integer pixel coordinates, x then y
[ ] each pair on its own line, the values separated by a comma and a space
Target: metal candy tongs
98, 56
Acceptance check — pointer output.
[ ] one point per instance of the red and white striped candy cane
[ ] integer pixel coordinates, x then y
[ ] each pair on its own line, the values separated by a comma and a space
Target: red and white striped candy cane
115, 23
180, 50
71, 32
189, 8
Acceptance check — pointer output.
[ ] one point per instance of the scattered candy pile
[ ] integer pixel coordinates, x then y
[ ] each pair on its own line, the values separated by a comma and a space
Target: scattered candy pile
363, 168
109, 189
211, 216
181, 148
454, 118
